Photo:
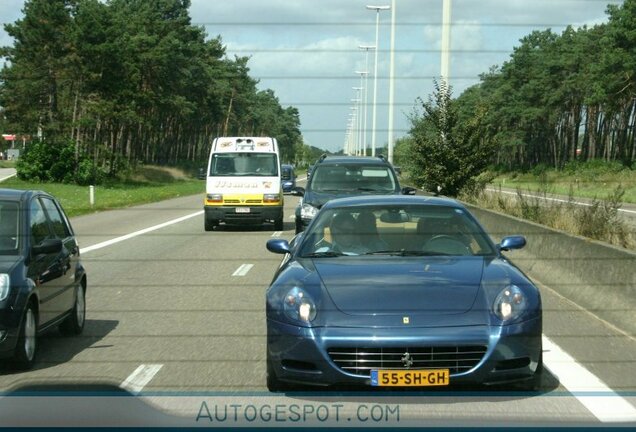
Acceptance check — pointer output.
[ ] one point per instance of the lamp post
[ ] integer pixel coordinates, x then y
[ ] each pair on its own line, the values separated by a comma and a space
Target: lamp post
358, 101
354, 126
446, 41
391, 82
364, 75
377, 9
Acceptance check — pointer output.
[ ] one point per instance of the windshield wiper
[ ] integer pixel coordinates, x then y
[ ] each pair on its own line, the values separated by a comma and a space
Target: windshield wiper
326, 254
404, 252
366, 189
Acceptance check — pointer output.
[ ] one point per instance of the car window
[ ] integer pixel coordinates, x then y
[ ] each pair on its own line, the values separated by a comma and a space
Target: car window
9, 227
414, 230
244, 164
334, 178
38, 222
58, 222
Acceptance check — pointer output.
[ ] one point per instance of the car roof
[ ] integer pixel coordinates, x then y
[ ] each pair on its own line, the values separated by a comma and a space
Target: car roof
18, 194
368, 160
383, 200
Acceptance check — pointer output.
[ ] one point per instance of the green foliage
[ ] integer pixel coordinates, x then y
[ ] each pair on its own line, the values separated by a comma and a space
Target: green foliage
45, 161
549, 104
131, 81
446, 154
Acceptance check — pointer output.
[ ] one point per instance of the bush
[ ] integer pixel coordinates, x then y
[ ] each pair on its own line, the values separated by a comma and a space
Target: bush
49, 161
594, 167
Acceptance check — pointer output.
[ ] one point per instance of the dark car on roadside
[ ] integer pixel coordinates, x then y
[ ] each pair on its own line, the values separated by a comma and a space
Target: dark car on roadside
288, 178
396, 291
42, 280
345, 176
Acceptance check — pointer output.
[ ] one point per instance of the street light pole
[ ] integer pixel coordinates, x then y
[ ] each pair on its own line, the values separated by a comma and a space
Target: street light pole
391, 81
446, 42
377, 9
366, 92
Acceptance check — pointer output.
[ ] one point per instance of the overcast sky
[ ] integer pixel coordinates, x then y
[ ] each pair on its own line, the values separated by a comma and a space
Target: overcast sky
307, 50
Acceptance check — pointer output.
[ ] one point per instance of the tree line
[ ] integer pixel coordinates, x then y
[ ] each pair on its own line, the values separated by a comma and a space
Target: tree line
563, 97
560, 98
125, 81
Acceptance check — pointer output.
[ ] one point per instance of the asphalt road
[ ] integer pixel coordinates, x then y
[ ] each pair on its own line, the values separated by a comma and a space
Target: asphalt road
171, 317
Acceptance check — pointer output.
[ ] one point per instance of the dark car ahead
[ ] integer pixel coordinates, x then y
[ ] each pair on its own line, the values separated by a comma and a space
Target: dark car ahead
400, 291
42, 281
287, 178
343, 176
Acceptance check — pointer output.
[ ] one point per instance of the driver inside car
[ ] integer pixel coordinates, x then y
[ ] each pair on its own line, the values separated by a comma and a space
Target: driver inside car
342, 236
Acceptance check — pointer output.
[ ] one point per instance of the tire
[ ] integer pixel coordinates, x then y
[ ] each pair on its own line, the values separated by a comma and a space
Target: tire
278, 224
27, 345
274, 385
299, 227
73, 325
210, 224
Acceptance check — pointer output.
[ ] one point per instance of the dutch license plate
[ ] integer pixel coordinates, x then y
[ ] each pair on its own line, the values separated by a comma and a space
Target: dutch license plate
242, 210
410, 378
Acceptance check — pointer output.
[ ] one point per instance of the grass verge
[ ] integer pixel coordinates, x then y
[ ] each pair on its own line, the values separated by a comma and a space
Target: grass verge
598, 221
583, 183
147, 185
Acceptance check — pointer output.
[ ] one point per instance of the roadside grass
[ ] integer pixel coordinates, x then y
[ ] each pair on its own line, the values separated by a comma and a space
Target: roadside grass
598, 221
584, 183
7, 164
145, 185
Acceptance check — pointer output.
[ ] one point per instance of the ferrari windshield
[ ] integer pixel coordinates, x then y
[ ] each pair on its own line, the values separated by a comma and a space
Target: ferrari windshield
395, 230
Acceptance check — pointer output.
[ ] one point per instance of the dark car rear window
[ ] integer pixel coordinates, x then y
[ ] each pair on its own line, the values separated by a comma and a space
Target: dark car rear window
348, 177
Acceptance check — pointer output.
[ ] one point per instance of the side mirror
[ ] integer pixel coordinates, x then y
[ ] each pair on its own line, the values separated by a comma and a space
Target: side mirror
48, 246
512, 242
408, 190
278, 246
298, 191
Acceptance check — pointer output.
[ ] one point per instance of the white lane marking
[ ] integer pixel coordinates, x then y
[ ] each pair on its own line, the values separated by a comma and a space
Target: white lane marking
243, 269
140, 377
301, 178
277, 233
553, 199
138, 233
8, 177
600, 400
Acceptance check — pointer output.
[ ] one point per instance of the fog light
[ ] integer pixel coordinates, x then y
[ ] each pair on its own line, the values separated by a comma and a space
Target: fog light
3, 334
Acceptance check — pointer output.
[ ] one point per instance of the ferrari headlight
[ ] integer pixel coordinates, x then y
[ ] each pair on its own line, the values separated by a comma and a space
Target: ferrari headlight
299, 306
5, 284
510, 303
308, 211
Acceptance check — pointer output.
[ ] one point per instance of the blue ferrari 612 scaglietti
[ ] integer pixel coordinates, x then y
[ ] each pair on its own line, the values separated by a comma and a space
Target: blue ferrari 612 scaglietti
400, 291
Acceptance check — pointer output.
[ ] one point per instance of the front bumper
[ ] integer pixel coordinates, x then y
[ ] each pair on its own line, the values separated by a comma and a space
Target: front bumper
9, 327
301, 355
256, 215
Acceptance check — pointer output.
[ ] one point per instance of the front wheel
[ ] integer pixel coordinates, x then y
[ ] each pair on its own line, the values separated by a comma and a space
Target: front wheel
74, 324
26, 348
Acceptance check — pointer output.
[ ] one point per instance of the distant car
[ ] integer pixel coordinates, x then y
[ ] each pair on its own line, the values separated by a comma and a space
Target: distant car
342, 176
400, 291
42, 280
288, 178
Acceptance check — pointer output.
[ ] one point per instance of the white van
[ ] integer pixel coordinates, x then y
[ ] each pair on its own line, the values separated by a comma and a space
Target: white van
243, 184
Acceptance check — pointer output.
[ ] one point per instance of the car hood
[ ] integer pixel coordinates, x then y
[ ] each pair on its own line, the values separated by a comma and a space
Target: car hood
318, 199
8, 262
399, 286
